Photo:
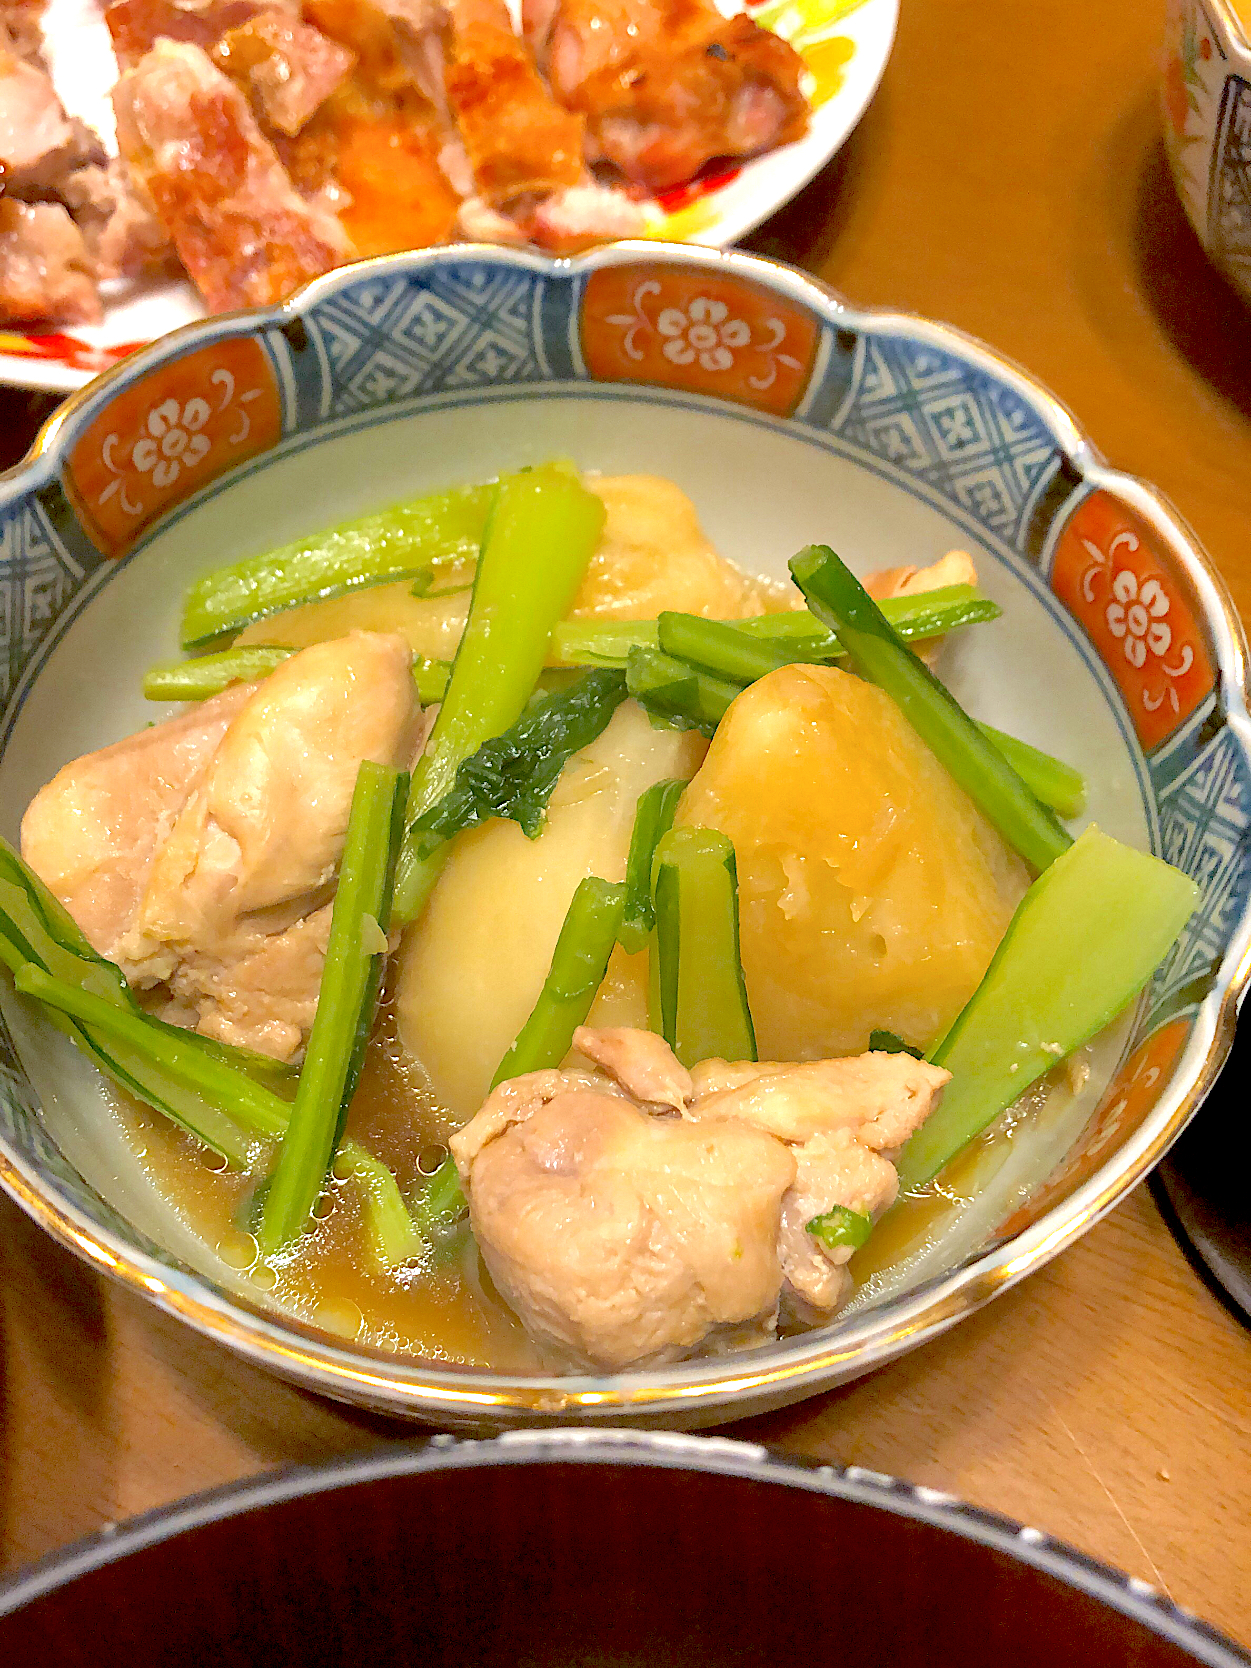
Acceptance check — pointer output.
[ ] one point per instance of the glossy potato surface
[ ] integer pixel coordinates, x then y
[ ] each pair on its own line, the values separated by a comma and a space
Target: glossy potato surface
472, 966
872, 892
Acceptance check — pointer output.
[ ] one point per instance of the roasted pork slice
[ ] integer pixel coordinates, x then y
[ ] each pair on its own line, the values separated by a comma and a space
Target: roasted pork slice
46, 272
667, 85
20, 30
240, 228
122, 231
631, 1215
91, 835
288, 67
235, 908
40, 146
518, 139
137, 25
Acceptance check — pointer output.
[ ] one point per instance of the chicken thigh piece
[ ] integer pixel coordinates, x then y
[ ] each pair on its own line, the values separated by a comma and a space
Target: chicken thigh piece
631, 1216
845, 1122
618, 1236
91, 835
236, 909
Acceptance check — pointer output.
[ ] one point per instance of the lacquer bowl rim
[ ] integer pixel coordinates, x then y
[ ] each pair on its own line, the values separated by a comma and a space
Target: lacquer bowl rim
749, 1462
706, 1390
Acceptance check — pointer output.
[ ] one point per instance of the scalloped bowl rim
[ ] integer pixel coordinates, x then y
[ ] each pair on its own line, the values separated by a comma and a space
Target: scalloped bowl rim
706, 1389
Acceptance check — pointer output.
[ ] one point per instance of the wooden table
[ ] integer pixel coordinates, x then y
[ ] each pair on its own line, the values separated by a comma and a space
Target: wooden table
1010, 179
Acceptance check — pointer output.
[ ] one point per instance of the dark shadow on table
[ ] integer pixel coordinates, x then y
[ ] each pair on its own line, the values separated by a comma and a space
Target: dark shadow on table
23, 412
1204, 316
805, 231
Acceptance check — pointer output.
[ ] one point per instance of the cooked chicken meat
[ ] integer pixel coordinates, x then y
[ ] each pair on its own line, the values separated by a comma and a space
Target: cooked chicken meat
201, 855
616, 1235
240, 228
633, 1215
46, 271
839, 1117
236, 908
666, 85
92, 833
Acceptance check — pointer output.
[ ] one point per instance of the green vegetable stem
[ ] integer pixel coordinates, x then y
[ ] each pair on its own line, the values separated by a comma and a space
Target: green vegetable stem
197, 680
702, 995
879, 654
398, 543
653, 818
345, 1002
441, 1203
1050, 780
209, 674
794, 634
579, 963
1085, 939
393, 1236
677, 693
238, 1096
540, 534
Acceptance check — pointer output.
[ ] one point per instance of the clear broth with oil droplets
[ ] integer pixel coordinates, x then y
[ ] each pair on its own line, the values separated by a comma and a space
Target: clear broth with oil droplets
444, 1307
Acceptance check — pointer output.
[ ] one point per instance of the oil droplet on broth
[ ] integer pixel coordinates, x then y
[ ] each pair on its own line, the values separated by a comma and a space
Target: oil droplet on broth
441, 1312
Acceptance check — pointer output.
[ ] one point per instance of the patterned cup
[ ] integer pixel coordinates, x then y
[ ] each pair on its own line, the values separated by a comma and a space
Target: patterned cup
789, 417
1206, 98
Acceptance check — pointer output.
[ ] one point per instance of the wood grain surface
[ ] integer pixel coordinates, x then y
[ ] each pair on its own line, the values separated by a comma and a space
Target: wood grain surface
1010, 179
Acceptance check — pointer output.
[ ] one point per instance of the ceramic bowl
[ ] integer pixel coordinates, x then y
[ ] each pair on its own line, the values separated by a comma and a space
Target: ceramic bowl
1206, 98
789, 417
657, 1550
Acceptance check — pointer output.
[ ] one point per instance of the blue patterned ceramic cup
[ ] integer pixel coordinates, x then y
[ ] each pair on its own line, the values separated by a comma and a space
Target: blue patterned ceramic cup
788, 417
1206, 100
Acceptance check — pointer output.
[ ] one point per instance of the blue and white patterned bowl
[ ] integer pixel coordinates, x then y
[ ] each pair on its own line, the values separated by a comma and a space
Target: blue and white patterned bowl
789, 417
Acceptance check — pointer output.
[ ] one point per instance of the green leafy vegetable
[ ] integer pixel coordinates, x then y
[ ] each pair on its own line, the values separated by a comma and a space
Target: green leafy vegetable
513, 774
209, 674
345, 1002
878, 653
840, 1227
886, 1042
579, 963
702, 995
1085, 939
37, 931
371, 550
541, 532
653, 818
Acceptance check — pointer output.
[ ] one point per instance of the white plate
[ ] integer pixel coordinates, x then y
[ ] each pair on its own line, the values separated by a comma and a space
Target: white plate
717, 213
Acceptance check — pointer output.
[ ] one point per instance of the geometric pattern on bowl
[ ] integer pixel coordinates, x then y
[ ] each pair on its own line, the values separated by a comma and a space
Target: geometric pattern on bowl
923, 408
